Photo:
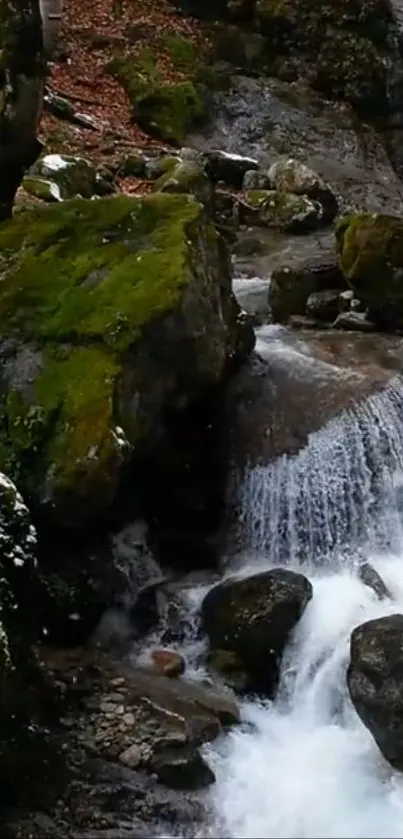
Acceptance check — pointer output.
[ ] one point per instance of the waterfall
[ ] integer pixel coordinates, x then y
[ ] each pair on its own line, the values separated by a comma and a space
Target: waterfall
304, 765
337, 496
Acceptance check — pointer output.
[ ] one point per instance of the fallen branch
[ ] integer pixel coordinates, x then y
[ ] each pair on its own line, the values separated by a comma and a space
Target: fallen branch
75, 97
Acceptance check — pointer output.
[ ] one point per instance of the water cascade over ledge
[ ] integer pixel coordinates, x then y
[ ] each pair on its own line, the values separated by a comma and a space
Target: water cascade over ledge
335, 498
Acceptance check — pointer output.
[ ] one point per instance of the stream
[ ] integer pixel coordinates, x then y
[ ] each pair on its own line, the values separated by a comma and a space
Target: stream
304, 765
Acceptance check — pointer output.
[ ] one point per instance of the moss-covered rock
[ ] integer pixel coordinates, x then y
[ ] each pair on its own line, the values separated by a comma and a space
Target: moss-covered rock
42, 188
253, 618
292, 176
69, 176
344, 43
188, 176
167, 111
371, 256
282, 210
111, 312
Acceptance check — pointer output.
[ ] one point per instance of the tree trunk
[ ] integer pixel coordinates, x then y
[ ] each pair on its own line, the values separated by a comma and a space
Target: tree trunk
21, 98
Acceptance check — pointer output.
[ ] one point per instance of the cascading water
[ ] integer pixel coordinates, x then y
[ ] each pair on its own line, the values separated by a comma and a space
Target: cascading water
304, 765
338, 496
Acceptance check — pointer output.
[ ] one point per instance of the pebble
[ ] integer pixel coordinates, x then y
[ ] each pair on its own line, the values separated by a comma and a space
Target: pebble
129, 718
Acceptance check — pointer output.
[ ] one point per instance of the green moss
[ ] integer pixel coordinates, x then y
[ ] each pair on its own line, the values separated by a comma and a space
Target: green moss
41, 188
171, 111
284, 210
94, 270
182, 52
167, 111
79, 281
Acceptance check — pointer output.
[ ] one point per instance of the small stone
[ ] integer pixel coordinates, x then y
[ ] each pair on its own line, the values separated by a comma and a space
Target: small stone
131, 757
168, 663
129, 718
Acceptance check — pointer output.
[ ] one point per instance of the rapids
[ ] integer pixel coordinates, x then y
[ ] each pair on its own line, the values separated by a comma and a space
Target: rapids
304, 765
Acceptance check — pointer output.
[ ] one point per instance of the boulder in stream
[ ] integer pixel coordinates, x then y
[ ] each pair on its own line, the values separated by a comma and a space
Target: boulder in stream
375, 682
253, 618
371, 258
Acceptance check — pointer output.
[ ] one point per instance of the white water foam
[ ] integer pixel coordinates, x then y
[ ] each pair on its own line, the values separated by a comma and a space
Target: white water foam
305, 766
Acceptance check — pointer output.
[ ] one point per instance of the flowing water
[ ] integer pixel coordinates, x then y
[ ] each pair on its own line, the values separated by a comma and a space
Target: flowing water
305, 766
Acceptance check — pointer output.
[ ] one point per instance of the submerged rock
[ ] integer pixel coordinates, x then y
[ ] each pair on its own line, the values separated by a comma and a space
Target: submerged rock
123, 309
371, 258
375, 682
253, 618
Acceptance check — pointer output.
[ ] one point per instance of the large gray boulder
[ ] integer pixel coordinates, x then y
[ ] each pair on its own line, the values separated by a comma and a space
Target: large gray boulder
375, 682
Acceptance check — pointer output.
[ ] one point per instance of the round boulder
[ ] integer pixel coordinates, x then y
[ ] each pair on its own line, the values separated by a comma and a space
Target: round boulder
291, 176
253, 618
375, 682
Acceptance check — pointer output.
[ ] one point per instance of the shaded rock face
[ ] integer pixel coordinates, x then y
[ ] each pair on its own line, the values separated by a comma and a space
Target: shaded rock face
375, 682
253, 618
371, 258
128, 316
267, 119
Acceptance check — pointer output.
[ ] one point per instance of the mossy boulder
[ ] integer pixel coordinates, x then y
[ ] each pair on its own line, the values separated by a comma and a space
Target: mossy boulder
371, 257
187, 176
253, 618
291, 286
281, 210
344, 44
69, 176
112, 312
292, 176
42, 188
166, 110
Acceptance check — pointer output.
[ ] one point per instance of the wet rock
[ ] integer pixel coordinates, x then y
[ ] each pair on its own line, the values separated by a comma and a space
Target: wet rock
371, 259
168, 663
324, 305
253, 618
291, 176
229, 168
229, 666
268, 119
375, 683
182, 768
291, 287
355, 321
370, 577
281, 210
